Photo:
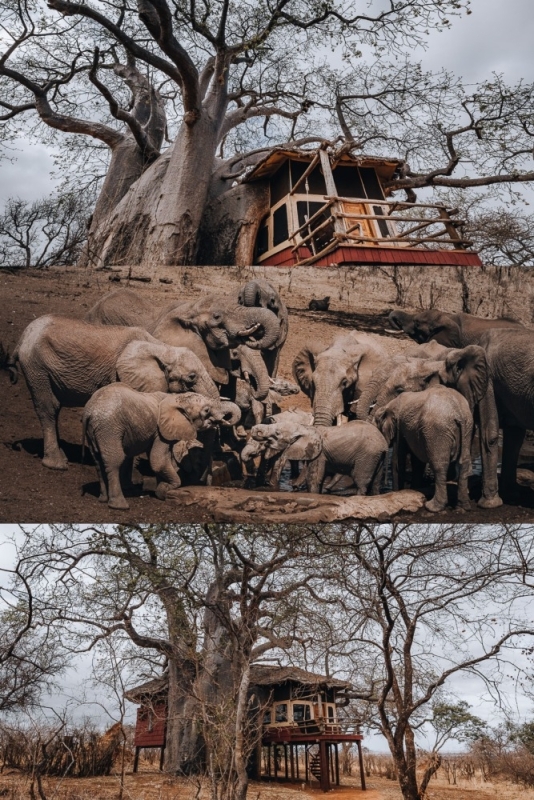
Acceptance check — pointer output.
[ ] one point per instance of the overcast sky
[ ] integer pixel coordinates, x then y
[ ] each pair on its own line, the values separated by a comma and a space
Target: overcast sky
496, 37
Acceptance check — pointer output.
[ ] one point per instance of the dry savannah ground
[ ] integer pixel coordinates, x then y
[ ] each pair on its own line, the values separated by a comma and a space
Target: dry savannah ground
31, 493
150, 785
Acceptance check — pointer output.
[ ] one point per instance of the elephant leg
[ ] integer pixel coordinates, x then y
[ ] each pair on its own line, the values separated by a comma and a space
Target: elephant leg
316, 471
376, 483
439, 500
301, 478
162, 463
47, 408
463, 489
279, 465
116, 497
489, 449
512, 441
100, 471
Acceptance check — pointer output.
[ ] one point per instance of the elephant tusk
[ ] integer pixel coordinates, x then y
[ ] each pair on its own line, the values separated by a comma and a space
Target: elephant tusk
393, 330
353, 402
249, 331
340, 419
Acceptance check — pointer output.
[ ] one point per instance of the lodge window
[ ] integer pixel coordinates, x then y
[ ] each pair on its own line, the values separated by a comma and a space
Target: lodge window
382, 224
331, 713
301, 712
371, 183
348, 182
267, 717
316, 183
280, 184
280, 226
280, 712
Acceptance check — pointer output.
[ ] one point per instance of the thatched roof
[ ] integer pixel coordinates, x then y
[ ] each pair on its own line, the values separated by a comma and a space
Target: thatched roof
260, 675
268, 165
267, 675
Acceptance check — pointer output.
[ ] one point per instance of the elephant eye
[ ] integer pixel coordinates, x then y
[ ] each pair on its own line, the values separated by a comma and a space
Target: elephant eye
399, 389
192, 376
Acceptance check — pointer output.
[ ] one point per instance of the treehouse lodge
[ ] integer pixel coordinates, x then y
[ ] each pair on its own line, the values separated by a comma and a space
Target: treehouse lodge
328, 212
300, 730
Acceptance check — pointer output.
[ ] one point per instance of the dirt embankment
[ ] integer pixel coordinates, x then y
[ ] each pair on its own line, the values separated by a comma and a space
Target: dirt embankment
31, 493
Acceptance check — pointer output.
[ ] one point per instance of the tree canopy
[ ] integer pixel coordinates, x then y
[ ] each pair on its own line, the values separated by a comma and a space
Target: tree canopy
164, 104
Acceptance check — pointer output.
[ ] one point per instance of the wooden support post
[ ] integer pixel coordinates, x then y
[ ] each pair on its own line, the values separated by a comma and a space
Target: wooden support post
275, 754
292, 760
331, 760
297, 758
325, 775
331, 189
362, 771
136, 759
161, 758
306, 764
336, 753
285, 762
269, 759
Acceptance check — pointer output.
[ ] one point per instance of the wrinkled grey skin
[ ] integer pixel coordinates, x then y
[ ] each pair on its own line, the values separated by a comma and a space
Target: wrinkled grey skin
357, 449
247, 402
335, 376
219, 330
262, 294
121, 423
435, 426
510, 355
465, 370
253, 448
65, 361
451, 330
458, 330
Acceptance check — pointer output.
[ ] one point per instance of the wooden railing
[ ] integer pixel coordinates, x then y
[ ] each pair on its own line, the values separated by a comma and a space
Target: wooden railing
408, 230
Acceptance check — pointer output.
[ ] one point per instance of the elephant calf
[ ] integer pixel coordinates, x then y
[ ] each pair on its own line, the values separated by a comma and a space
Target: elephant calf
121, 423
436, 427
357, 449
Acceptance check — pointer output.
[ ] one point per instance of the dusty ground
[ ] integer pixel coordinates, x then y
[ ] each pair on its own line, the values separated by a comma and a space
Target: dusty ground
151, 785
31, 493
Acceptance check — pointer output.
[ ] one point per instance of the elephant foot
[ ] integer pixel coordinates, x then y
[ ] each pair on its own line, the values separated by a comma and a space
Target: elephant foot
490, 502
163, 489
118, 503
56, 462
103, 498
434, 505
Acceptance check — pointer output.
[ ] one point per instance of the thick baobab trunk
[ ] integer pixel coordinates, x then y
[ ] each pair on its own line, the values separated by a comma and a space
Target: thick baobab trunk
158, 220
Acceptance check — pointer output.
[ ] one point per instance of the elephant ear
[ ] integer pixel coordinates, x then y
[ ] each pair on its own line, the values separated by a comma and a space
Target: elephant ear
304, 367
172, 423
467, 371
386, 423
141, 365
445, 331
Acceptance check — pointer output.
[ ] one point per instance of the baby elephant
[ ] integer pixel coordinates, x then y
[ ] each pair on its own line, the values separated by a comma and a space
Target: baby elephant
357, 449
121, 423
319, 305
436, 427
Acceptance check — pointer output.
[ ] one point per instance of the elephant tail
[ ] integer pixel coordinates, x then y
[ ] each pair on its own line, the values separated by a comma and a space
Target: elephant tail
10, 363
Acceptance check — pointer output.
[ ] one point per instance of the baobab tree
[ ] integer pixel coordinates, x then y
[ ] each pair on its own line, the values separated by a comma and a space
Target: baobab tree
185, 97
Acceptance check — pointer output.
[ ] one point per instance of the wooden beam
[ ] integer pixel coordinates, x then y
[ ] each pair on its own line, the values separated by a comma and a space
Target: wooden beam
311, 166
330, 186
325, 775
362, 771
136, 759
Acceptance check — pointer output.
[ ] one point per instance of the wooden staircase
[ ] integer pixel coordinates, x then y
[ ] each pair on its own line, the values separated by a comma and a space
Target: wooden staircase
315, 766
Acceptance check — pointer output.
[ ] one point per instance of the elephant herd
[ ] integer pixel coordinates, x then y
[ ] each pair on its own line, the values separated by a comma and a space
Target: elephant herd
184, 384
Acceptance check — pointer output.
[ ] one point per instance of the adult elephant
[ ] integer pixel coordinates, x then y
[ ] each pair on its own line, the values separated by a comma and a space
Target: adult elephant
211, 327
64, 361
466, 370
510, 355
334, 377
261, 294
451, 330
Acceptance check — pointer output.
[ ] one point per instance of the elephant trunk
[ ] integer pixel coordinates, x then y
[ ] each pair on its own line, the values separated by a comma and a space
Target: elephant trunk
259, 328
253, 365
401, 321
229, 413
204, 385
322, 415
368, 396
